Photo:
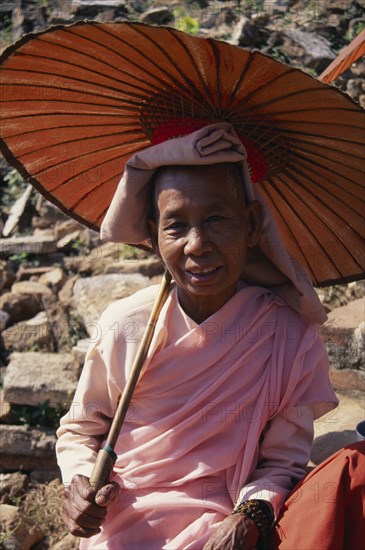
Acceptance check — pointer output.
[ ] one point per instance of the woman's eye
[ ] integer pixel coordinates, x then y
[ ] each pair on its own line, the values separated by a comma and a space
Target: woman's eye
174, 226
215, 218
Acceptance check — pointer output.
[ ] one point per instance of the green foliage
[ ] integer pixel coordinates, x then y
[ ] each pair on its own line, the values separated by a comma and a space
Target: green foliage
312, 72
77, 330
20, 258
44, 415
127, 253
12, 190
254, 5
185, 22
6, 28
355, 31
79, 247
276, 53
315, 9
7, 534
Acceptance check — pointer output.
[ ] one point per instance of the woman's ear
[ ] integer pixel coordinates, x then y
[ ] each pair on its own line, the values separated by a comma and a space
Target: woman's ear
153, 228
255, 219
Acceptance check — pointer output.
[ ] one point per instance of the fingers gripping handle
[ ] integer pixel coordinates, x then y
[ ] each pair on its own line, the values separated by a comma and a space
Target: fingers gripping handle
103, 467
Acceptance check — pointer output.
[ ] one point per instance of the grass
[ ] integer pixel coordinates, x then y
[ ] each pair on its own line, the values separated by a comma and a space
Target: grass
43, 505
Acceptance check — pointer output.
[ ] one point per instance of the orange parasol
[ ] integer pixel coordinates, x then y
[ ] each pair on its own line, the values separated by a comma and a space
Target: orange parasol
78, 101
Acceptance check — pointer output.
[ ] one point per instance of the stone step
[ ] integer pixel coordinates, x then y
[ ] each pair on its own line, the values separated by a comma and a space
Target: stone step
336, 429
19, 532
26, 334
28, 245
32, 378
344, 335
24, 448
91, 295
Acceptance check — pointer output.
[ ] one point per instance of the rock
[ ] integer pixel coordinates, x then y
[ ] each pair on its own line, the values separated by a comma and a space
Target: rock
149, 267
7, 275
49, 212
33, 378
26, 273
358, 344
338, 5
343, 335
311, 50
6, 414
79, 351
28, 245
66, 293
19, 532
77, 264
39, 232
53, 279
157, 16
4, 318
45, 476
95, 260
347, 380
20, 306
68, 239
93, 9
356, 289
63, 228
336, 429
354, 87
358, 68
246, 34
200, 3
27, 334
24, 448
31, 287
12, 486
69, 542
92, 295
277, 7
41, 223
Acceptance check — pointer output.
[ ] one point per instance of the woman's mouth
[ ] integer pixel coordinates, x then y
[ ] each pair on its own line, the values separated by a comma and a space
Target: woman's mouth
202, 274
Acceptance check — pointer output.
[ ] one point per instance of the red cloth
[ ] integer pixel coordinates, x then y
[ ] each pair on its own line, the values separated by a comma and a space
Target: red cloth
326, 510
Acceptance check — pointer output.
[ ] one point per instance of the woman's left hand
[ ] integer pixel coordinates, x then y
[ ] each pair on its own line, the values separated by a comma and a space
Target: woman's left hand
236, 532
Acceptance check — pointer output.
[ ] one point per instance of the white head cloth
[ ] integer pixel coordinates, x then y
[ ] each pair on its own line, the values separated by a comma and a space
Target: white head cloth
269, 264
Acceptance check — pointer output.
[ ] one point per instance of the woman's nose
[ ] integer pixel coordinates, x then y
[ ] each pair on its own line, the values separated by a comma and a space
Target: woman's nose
197, 242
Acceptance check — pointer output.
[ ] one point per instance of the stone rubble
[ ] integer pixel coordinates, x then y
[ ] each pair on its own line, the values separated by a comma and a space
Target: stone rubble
12, 486
344, 336
20, 532
51, 377
27, 245
25, 448
35, 332
93, 294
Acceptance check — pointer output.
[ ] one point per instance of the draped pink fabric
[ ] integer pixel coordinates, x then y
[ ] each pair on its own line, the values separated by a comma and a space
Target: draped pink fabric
208, 392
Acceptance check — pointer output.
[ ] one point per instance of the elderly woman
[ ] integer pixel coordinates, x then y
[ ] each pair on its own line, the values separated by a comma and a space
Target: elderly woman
222, 416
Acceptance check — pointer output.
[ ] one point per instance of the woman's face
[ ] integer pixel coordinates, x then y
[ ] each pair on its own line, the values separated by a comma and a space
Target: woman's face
202, 231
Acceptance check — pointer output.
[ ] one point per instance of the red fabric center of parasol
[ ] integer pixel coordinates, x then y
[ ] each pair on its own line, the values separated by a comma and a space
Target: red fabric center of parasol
177, 127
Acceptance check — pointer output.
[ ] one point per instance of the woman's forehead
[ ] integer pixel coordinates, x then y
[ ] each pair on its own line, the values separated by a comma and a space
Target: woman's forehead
213, 186
209, 180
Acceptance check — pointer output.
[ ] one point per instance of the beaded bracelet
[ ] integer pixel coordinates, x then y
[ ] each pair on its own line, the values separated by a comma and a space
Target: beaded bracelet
260, 513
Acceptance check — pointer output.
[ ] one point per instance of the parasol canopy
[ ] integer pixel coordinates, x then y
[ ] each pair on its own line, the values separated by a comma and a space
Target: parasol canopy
78, 101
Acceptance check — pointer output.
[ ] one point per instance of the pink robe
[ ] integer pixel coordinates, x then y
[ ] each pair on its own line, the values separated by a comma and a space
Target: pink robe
223, 410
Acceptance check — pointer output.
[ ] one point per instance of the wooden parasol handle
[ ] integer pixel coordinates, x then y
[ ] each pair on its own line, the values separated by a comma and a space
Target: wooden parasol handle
106, 456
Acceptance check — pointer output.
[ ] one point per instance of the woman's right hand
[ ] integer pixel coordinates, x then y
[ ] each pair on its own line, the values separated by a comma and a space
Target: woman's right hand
85, 508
